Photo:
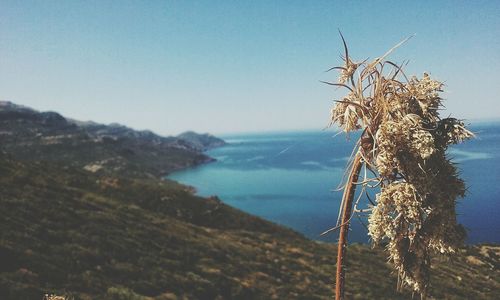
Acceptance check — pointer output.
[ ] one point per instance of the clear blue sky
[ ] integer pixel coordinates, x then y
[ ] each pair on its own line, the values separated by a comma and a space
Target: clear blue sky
229, 66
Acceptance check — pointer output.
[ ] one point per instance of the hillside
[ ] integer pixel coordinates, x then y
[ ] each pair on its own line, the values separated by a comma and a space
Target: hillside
117, 233
70, 232
31, 135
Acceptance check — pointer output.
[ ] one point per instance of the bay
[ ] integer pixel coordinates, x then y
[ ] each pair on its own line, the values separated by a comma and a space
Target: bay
290, 178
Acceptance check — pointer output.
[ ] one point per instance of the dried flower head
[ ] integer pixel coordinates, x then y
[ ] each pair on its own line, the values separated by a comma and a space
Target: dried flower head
414, 211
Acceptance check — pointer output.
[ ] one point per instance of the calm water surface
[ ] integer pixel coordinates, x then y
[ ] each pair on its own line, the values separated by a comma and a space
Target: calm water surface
290, 178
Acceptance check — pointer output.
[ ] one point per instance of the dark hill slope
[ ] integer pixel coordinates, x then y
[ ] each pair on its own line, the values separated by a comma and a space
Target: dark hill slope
71, 232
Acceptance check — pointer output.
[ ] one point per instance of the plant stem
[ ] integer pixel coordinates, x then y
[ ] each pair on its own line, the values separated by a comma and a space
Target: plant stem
347, 200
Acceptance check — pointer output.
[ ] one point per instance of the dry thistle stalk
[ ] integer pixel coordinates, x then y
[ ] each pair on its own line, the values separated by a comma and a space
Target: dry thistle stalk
403, 144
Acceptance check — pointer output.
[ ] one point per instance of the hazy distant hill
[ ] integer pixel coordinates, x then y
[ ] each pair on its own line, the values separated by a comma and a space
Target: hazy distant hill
202, 141
31, 135
113, 233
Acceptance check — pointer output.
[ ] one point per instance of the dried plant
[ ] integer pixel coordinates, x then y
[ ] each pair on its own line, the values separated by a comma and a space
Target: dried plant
403, 146
54, 297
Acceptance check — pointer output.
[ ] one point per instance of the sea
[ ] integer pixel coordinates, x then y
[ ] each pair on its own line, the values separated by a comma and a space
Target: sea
292, 178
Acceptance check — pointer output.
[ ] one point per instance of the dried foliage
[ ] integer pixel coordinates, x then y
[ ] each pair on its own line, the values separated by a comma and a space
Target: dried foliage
54, 297
403, 144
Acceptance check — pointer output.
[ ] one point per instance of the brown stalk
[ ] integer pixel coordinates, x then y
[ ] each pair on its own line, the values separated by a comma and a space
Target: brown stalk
347, 200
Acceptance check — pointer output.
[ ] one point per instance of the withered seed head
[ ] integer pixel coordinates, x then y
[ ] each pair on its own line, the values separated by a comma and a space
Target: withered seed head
404, 140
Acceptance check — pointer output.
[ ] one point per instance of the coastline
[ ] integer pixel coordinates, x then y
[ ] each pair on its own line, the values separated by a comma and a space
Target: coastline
245, 178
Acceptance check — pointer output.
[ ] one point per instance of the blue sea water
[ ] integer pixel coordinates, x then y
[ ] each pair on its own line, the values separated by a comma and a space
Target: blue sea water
290, 178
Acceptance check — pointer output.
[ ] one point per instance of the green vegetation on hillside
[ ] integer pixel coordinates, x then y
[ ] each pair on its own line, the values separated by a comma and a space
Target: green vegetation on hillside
70, 232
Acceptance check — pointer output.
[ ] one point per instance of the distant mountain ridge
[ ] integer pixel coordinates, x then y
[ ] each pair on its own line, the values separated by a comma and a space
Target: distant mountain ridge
204, 141
30, 134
